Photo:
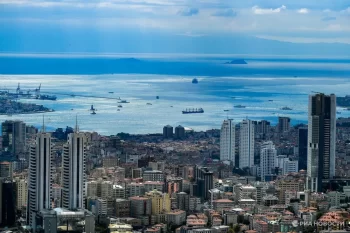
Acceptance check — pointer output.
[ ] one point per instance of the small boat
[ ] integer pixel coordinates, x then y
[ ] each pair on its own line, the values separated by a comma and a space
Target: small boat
157, 97
194, 81
226, 110
72, 95
92, 108
171, 106
240, 106
111, 92
233, 97
120, 106
149, 104
286, 108
270, 100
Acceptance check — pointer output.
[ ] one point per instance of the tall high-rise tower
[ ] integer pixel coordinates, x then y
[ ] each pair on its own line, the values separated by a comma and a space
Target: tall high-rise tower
40, 176
246, 144
268, 155
321, 140
302, 148
73, 173
227, 141
14, 137
283, 124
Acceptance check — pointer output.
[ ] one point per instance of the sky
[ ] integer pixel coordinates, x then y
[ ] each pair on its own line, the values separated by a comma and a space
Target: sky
296, 21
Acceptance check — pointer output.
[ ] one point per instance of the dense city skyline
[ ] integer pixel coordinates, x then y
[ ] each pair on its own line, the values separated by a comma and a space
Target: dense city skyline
174, 116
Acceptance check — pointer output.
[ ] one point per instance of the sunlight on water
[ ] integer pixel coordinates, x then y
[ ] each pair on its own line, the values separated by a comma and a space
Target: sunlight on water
262, 95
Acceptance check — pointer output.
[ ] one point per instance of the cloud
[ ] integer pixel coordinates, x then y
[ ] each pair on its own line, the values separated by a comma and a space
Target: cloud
191, 34
188, 12
303, 11
263, 11
304, 39
225, 13
329, 18
347, 10
334, 27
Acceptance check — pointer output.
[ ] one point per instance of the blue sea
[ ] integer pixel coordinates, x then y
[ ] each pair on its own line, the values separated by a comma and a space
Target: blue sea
139, 78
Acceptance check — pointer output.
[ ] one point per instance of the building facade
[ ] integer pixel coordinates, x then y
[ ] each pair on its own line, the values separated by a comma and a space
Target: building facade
302, 148
268, 155
321, 140
14, 137
40, 177
246, 144
283, 124
227, 141
73, 173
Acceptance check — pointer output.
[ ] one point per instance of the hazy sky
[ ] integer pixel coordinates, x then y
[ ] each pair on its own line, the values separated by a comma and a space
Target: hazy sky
288, 20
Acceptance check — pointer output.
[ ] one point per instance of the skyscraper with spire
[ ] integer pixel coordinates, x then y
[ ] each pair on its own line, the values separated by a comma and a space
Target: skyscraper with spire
73, 173
40, 176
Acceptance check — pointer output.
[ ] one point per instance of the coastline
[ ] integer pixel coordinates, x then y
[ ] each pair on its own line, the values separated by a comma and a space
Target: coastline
26, 113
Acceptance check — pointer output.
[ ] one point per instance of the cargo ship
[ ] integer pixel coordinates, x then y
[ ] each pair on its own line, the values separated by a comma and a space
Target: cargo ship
47, 97
123, 102
193, 110
240, 106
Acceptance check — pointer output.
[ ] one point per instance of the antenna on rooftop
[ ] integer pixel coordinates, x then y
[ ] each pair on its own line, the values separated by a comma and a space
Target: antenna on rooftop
76, 124
43, 127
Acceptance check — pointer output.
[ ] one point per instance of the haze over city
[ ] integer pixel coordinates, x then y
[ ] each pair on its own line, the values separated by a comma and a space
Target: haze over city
162, 116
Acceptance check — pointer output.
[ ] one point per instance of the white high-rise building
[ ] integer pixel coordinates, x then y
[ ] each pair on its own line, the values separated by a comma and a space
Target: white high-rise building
73, 172
227, 141
246, 144
321, 140
40, 177
268, 155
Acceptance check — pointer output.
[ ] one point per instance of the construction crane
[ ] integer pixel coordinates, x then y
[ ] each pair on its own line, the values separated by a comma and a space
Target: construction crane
37, 94
37, 91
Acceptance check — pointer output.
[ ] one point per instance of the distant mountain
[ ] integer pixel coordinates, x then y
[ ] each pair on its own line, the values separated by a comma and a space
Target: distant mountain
236, 62
53, 40
129, 60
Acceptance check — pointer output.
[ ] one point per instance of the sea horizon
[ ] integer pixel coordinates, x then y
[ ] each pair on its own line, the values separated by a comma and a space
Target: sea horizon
287, 82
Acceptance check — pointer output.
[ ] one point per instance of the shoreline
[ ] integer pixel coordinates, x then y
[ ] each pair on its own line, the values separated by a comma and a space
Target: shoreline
25, 113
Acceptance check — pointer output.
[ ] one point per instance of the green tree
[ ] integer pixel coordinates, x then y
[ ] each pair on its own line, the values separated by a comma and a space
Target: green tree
236, 228
319, 215
309, 229
246, 222
290, 208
